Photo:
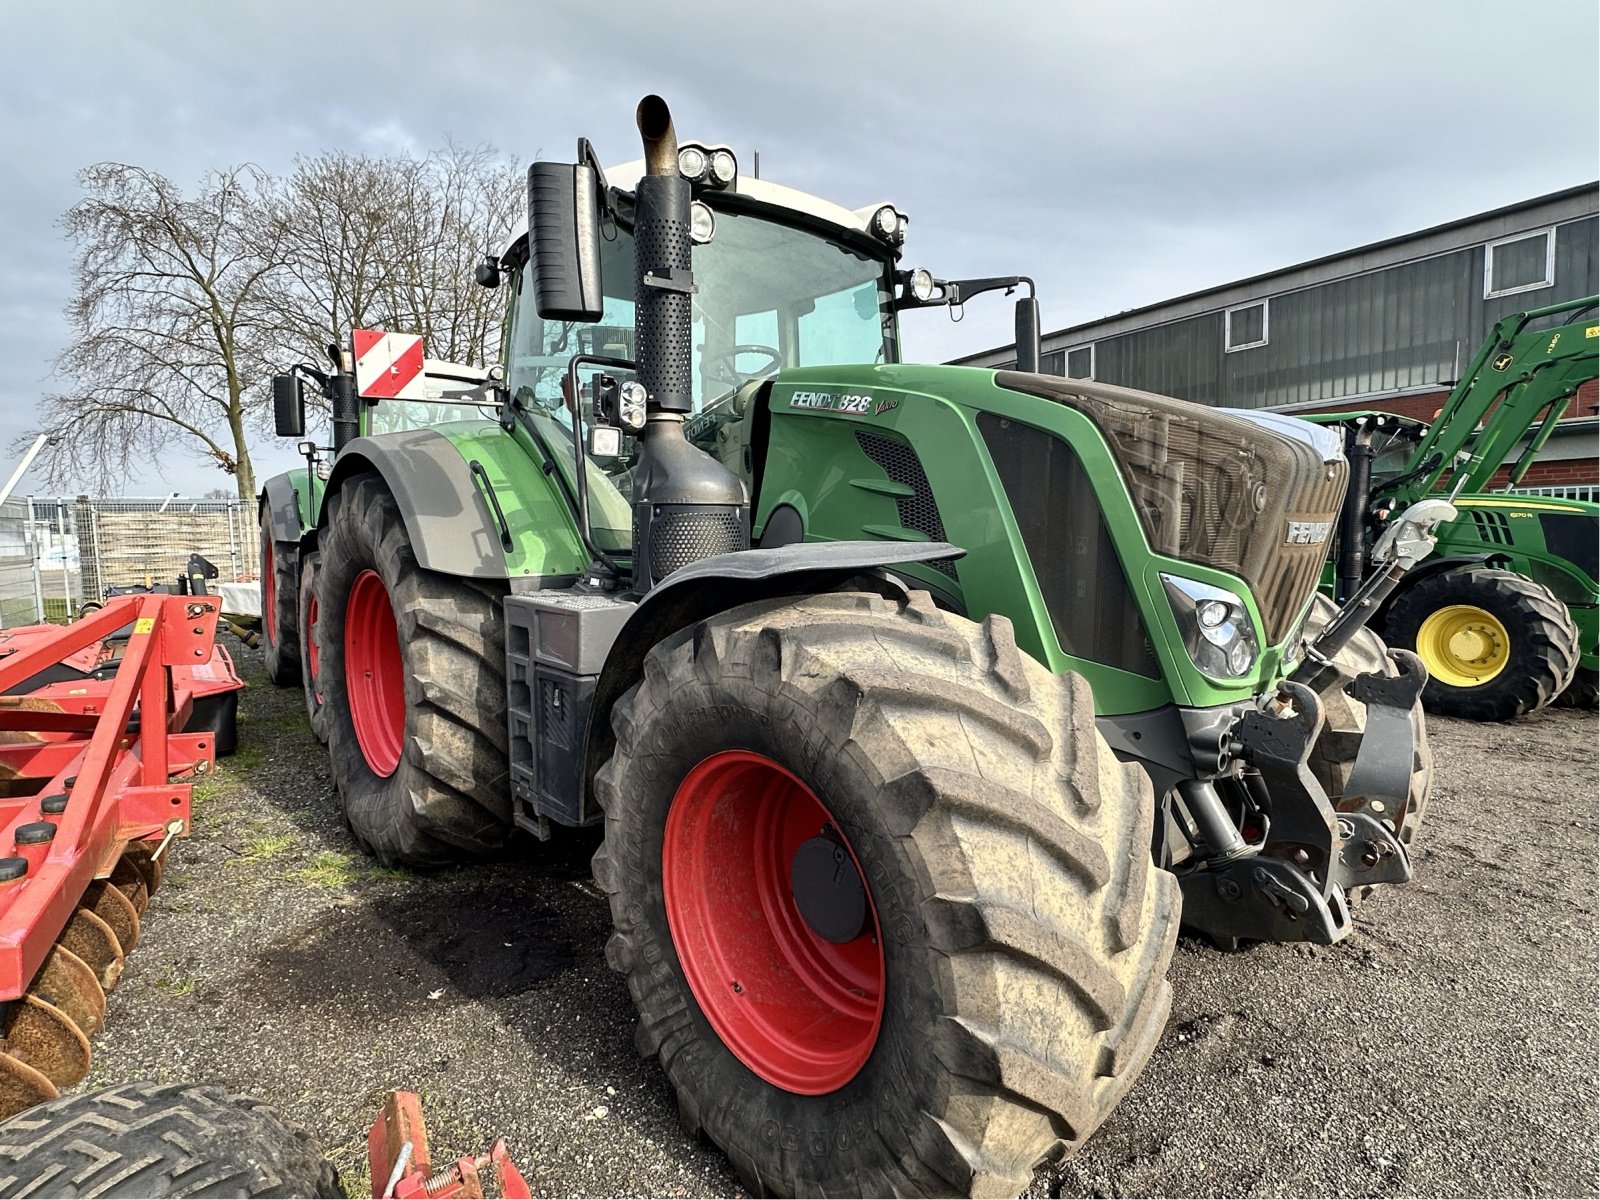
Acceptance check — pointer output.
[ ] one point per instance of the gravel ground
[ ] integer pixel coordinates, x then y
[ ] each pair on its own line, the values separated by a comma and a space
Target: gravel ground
1447, 1048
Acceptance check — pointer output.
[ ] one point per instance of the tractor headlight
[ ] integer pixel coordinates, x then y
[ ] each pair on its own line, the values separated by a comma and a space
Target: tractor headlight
631, 398
1216, 627
724, 167
920, 285
889, 225
702, 223
692, 163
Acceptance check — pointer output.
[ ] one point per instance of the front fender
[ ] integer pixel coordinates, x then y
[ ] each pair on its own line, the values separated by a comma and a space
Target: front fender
726, 581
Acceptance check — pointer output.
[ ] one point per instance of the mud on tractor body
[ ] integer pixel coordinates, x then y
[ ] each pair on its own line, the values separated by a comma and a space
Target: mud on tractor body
919, 704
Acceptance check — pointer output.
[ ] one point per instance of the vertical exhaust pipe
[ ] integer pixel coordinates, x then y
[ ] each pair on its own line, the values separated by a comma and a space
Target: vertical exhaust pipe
686, 505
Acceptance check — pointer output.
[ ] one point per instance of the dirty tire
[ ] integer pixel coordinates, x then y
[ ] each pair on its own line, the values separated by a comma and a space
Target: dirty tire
148, 1140
280, 590
448, 798
1543, 641
1334, 755
306, 608
1583, 691
1026, 933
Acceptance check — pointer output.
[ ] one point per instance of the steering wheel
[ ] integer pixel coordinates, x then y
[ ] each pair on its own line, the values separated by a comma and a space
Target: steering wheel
725, 366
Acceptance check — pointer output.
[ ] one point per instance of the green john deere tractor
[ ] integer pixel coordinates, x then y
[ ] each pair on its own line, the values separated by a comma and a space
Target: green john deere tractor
1505, 613
919, 704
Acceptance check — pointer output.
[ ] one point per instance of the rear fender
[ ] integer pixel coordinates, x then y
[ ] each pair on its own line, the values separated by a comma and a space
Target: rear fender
444, 486
285, 505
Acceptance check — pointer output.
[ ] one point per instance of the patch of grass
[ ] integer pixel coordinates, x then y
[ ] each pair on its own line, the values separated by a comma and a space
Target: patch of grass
176, 985
247, 758
332, 869
268, 845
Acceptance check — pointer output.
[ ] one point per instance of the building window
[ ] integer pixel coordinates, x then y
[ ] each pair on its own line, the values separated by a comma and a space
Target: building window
1054, 363
1246, 327
1080, 362
1519, 264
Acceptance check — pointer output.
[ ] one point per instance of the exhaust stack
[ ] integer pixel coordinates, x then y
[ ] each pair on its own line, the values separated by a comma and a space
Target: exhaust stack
686, 505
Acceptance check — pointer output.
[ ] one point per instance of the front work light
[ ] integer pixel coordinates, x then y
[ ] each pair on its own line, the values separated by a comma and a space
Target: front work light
724, 167
702, 223
692, 163
1216, 626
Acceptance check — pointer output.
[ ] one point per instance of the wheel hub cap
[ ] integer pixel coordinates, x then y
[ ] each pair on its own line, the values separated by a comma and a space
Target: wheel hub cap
1463, 645
773, 925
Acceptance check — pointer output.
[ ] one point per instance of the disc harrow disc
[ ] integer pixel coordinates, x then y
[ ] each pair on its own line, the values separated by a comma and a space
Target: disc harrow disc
92, 940
42, 1036
66, 981
129, 880
139, 855
22, 1087
116, 910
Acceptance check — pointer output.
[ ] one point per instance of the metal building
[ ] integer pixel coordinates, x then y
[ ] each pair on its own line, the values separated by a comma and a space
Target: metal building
1388, 325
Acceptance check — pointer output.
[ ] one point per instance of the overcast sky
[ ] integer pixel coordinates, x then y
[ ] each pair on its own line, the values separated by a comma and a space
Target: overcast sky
1119, 153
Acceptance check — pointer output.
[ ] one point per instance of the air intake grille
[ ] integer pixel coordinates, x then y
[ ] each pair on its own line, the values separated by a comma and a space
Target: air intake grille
1492, 526
901, 464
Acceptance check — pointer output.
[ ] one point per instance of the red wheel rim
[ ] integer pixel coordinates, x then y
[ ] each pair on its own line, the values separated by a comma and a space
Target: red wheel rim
374, 673
311, 644
269, 590
801, 1012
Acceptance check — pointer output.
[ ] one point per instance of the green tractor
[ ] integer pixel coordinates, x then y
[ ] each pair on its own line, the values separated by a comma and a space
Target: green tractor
918, 704
1506, 612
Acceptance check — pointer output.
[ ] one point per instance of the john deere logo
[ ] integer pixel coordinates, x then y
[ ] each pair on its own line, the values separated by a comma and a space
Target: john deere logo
1501, 360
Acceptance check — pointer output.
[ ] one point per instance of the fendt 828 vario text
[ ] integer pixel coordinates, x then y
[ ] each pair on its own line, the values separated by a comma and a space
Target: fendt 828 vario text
919, 704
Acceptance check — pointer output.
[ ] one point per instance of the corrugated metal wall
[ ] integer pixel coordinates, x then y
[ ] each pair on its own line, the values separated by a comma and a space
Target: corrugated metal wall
1410, 326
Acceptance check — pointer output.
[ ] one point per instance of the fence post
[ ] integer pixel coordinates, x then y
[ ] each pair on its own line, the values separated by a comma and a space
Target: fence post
66, 569
34, 553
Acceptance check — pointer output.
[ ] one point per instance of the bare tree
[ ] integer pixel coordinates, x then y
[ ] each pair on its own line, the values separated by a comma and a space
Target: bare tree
390, 243
184, 307
171, 336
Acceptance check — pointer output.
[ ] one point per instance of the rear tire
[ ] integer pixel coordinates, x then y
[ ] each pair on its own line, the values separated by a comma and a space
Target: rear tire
1583, 691
280, 621
1535, 663
1334, 755
426, 780
1025, 933
148, 1140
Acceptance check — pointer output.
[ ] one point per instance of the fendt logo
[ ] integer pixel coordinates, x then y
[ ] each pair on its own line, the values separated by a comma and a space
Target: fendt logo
829, 402
1308, 533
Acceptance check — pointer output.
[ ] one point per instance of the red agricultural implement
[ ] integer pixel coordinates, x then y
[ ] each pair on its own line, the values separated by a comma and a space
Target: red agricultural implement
104, 724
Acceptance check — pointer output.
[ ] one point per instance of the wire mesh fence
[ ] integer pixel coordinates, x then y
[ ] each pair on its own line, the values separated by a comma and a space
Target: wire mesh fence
58, 553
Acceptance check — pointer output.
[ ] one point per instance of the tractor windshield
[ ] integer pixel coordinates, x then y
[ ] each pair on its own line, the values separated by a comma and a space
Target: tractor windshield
769, 296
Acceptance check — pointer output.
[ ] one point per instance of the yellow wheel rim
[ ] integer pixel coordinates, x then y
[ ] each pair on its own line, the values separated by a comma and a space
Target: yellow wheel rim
1463, 645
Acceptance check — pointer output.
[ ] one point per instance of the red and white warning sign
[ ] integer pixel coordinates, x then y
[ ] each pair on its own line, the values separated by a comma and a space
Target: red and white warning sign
388, 365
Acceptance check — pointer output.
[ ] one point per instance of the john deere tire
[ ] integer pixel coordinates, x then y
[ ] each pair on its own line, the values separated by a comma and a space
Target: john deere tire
149, 1140
1496, 644
309, 650
981, 1002
1582, 692
1334, 755
280, 624
412, 668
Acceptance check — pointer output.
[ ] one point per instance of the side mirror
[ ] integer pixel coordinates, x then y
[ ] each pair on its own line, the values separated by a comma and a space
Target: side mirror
1028, 349
564, 236
289, 406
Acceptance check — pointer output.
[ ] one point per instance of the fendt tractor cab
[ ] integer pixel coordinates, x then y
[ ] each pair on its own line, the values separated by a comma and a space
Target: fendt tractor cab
1505, 613
918, 703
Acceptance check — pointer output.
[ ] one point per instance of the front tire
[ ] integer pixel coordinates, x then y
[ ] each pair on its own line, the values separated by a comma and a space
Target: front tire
1496, 644
149, 1140
412, 668
280, 619
310, 651
1007, 982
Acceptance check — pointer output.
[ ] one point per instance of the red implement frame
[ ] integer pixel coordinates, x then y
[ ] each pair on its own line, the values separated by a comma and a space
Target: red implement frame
397, 1152
111, 747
